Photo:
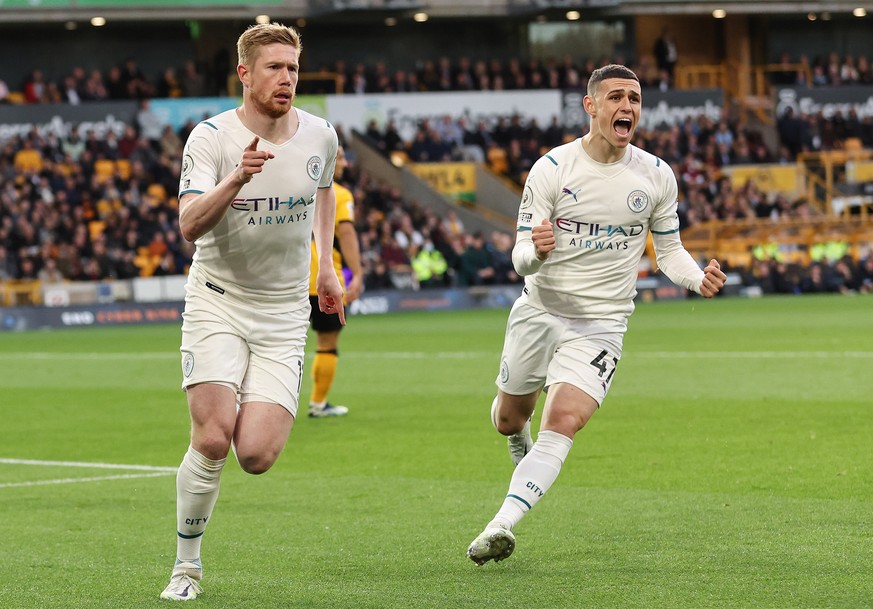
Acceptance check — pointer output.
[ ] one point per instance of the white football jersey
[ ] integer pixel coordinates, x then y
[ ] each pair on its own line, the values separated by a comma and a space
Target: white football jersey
601, 215
261, 246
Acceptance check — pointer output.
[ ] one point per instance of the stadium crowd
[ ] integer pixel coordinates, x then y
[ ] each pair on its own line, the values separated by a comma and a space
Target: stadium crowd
197, 78
84, 208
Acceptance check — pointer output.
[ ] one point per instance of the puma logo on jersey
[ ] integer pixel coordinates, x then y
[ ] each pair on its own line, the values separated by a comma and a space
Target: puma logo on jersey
567, 191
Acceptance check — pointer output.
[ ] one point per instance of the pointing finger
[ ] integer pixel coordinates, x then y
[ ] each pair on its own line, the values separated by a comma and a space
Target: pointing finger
254, 143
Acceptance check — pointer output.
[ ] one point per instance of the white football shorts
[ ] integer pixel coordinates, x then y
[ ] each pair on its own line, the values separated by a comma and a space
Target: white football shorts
256, 352
541, 349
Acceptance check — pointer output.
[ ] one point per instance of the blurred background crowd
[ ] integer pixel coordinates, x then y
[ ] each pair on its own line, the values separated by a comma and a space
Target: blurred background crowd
84, 207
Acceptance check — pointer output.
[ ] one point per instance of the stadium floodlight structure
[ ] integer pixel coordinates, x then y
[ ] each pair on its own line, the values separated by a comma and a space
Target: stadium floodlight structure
177, 10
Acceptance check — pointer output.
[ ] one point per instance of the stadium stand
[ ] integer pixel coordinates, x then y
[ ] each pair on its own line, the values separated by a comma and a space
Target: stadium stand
87, 207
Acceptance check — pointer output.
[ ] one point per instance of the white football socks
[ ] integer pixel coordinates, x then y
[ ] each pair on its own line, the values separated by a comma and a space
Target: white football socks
533, 477
197, 485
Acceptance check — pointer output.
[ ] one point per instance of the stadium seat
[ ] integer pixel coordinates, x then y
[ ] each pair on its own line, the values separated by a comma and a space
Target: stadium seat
158, 192
123, 167
95, 229
104, 169
497, 159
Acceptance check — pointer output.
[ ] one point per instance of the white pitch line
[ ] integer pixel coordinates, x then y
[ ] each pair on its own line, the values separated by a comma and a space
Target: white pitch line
756, 354
37, 355
86, 464
77, 480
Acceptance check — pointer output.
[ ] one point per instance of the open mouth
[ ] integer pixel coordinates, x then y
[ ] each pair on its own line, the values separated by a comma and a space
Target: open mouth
283, 96
622, 126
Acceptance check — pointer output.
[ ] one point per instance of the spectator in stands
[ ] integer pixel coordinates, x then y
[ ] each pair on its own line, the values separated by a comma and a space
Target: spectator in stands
116, 87
477, 265
429, 265
149, 124
134, 80
865, 275
71, 94
666, 53
378, 278
192, 81
8, 268
95, 87
28, 159
500, 248
475, 141
391, 140
372, 132
785, 74
169, 85
34, 88
170, 144
817, 280
406, 234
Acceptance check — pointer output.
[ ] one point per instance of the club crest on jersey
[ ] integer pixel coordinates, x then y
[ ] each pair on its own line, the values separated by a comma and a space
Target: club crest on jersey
637, 201
526, 197
187, 165
504, 372
188, 364
313, 167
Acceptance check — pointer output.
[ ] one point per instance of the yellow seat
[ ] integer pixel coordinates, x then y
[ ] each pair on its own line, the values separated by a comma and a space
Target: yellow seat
95, 229
158, 193
104, 169
123, 168
497, 160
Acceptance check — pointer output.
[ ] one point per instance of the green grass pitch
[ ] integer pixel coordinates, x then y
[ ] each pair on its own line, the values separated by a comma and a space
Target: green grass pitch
730, 467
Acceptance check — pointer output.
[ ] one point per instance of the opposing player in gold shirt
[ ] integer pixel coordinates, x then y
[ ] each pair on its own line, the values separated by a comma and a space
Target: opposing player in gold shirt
327, 327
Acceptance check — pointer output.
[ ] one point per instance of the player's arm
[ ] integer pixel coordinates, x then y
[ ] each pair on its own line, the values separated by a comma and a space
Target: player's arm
672, 257
330, 292
351, 251
680, 267
199, 213
535, 235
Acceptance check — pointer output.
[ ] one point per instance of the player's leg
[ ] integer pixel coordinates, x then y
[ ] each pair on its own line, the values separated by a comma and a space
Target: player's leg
536, 472
566, 411
324, 368
270, 391
530, 341
578, 379
327, 330
579, 376
213, 417
262, 430
531, 337
511, 416
214, 359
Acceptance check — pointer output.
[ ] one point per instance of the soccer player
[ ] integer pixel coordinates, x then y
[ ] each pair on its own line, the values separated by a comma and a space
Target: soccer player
327, 327
584, 217
255, 184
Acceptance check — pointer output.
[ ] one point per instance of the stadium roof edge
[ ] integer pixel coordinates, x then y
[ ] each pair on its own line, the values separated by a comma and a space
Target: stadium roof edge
451, 9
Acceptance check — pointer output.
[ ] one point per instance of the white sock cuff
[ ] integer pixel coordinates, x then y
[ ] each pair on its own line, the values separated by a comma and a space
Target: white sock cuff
208, 468
554, 444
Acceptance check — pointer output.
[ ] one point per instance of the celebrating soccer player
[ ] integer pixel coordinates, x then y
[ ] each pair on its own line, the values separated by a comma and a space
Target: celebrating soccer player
251, 181
585, 214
